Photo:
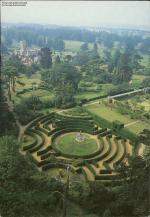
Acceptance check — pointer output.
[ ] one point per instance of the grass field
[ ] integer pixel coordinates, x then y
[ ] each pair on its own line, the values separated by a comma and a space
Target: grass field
31, 82
112, 115
91, 94
138, 127
74, 46
137, 79
68, 145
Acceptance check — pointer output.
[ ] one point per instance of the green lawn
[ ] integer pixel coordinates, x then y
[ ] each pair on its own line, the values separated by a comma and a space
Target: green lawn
68, 145
31, 82
91, 94
106, 112
137, 79
112, 115
28, 81
139, 127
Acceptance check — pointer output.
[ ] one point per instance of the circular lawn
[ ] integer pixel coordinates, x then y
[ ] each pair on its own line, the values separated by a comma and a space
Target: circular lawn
69, 146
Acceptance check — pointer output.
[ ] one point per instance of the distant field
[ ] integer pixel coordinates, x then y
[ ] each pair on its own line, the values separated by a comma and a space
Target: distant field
75, 45
112, 115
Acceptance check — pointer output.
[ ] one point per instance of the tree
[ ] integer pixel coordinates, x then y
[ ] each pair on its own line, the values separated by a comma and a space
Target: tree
68, 58
84, 47
64, 79
95, 47
10, 73
63, 74
33, 102
45, 58
20, 190
144, 137
57, 59
123, 71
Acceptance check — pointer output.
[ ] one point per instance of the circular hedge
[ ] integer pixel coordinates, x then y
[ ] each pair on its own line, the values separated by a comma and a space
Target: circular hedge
68, 146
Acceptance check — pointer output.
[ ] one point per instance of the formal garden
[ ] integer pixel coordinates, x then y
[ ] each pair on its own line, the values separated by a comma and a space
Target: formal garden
56, 140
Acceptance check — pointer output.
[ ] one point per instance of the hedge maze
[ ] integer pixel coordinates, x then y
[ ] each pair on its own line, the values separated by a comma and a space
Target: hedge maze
40, 139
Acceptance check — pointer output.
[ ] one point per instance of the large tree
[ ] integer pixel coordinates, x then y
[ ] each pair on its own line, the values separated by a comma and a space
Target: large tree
63, 79
45, 58
124, 70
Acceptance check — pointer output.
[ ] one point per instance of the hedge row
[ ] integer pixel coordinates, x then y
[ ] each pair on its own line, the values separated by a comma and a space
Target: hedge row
106, 171
43, 130
39, 119
107, 177
46, 155
99, 157
114, 155
77, 125
101, 121
65, 117
31, 145
122, 156
46, 123
44, 151
49, 116
40, 143
105, 133
89, 166
83, 101
124, 133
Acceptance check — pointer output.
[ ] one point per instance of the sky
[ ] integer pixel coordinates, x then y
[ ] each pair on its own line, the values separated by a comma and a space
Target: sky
79, 13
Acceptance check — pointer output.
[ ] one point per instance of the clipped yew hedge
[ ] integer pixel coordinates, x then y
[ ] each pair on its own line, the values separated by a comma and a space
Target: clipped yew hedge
69, 117
44, 151
122, 156
31, 145
114, 155
89, 166
106, 171
107, 177
39, 143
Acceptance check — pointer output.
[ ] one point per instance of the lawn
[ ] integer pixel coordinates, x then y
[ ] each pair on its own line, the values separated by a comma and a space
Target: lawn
112, 115
74, 46
106, 112
137, 79
31, 82
67, 144
35, 79
138, 127
91, 94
